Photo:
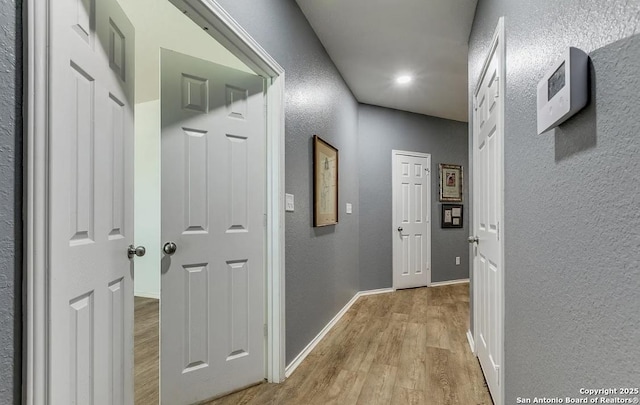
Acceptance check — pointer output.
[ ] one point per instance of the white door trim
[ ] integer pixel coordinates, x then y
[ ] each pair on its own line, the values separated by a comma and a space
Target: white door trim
394, 220
226, 31
497, 42
36, 198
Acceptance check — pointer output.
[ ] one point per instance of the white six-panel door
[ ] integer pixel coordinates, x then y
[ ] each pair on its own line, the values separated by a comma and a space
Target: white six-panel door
487, 152
411, 224
91, 203
213, 204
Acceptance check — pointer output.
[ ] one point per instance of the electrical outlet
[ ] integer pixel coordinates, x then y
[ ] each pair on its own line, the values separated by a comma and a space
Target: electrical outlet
349, 208
289, 203
457, 260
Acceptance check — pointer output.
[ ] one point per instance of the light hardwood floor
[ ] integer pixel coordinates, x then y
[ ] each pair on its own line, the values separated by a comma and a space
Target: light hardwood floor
146, 355
406, 347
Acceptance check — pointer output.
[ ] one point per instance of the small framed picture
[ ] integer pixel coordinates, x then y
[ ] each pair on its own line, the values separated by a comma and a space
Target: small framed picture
450, 183
452, 216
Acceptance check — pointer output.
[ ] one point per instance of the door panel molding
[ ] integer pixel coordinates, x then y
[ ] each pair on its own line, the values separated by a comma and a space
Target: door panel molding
225, 30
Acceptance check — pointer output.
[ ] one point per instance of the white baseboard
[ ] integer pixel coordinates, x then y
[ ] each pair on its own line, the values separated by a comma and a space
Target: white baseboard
307, 350
373, 292
472, 344
146, 295
451, 282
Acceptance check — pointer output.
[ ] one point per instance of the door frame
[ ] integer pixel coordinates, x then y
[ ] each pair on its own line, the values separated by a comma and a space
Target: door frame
394, 154
497, 44
224, 29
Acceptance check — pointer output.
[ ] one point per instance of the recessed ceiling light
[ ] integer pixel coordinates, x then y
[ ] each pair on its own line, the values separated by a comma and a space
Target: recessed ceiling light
404, 79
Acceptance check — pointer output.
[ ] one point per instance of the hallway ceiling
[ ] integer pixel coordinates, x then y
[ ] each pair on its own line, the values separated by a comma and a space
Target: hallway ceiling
374, 41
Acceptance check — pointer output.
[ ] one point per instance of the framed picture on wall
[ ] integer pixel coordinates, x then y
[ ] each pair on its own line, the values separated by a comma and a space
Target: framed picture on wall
450, 183
452, 216
325, 183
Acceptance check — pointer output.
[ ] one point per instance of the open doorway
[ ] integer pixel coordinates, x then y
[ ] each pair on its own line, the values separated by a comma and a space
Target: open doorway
165, 34
81, 254
152, 20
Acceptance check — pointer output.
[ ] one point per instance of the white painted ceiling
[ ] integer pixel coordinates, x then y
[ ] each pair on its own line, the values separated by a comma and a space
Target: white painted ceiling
373, 41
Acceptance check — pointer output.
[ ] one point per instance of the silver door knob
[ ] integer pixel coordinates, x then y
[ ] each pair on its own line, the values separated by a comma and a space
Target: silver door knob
169, 248
400, 229
136, 251
473, 239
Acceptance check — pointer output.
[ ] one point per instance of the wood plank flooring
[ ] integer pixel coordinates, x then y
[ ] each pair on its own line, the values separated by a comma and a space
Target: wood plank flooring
146, 341
406, 347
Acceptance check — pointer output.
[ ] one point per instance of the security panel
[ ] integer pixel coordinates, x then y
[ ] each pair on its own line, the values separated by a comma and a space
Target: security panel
564, 90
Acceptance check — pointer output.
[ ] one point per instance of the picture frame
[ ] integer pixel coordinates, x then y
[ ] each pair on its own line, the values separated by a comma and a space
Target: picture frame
325, 183
452, 216
451, 182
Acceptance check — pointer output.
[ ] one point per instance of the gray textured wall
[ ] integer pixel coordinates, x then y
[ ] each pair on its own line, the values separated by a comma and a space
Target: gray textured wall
10, 200
321, 263
572, 196
380, 131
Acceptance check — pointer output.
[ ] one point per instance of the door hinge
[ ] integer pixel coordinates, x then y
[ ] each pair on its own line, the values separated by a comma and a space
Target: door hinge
427, 170
498, 230
265, 220
498, 374
266, 330
498, 84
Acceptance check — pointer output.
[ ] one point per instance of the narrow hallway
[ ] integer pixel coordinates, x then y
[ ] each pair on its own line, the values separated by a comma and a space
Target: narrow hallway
405, 347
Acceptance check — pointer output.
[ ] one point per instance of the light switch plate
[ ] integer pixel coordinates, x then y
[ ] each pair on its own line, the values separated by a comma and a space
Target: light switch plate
289, 202
457, 260
349, 208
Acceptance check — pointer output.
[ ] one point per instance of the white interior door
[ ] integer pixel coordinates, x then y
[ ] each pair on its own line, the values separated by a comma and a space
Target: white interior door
213, 205
487, 160
411, 213
91, 203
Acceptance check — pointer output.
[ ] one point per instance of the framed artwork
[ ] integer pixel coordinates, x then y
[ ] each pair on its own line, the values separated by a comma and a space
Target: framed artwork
450, 183
325, 183
452, 215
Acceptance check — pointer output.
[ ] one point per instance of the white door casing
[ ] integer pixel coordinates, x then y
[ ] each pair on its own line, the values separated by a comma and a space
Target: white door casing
91, 204
213, 208
488, 269
411, 219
